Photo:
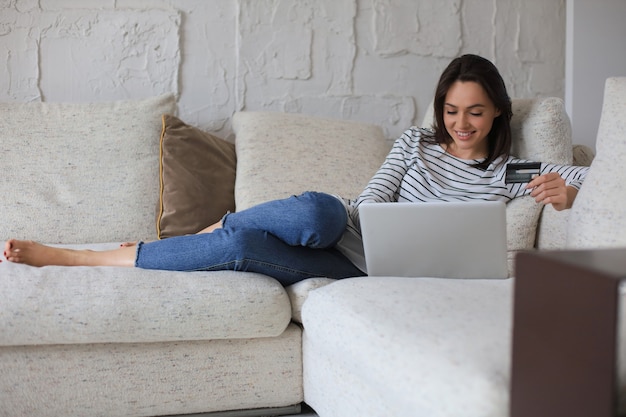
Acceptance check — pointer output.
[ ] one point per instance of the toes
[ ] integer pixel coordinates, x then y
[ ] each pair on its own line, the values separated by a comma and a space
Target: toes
11, 253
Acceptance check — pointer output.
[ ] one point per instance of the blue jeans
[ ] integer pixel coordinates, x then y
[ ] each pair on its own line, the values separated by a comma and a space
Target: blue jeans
290, 240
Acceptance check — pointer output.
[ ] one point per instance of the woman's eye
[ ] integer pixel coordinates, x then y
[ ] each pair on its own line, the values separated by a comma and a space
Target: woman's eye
476, 114
450, 112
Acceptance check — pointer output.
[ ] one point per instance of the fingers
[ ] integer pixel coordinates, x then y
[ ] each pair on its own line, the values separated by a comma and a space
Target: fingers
549, 189
543, 179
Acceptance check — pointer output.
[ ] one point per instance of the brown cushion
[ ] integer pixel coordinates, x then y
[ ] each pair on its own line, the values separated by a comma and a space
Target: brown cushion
197, 174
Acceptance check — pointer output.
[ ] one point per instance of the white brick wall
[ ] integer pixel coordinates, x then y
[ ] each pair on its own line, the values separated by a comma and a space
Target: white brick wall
370, 60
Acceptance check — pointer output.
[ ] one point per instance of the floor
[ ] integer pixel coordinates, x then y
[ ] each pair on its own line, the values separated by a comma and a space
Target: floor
306, 412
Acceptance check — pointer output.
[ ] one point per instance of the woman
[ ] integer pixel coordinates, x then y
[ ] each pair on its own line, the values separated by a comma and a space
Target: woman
463, 158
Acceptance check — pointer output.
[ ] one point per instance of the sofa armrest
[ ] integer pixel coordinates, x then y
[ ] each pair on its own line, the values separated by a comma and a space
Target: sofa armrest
552, 227
565, 333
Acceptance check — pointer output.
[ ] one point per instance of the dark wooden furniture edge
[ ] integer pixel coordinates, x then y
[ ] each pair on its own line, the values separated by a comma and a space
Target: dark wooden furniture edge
565, 333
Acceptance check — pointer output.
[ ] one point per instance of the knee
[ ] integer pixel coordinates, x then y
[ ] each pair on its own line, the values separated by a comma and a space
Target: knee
324, 216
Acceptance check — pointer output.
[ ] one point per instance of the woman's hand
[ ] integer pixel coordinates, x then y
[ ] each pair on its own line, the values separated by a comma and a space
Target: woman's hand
550, 188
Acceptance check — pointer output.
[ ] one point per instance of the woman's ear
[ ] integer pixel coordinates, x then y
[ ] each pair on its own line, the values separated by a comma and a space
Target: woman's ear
498, 112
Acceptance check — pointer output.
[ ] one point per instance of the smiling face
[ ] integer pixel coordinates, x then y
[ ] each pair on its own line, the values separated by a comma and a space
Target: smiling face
468, 115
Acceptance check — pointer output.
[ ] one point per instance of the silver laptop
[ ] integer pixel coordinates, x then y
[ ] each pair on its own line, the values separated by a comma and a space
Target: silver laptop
447, 240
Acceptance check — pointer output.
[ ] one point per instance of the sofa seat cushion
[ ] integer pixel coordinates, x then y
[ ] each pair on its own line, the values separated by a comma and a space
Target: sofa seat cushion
427, 346
60, 305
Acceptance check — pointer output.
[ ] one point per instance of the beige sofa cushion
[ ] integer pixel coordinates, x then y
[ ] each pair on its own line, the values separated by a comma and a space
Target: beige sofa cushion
79, 173
60, 305
389, 346
598, 217
282, 154
197, 175
541, 130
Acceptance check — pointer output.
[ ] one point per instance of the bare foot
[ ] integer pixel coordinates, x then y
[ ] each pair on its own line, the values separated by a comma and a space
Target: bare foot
35, 254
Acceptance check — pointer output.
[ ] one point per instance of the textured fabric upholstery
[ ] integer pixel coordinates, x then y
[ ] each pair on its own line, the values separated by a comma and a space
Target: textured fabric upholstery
150, 379
541, 130
598, 217
81, 172
282, 154
406, 347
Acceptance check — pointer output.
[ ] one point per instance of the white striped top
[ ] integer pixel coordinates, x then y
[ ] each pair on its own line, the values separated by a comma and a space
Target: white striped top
418, 171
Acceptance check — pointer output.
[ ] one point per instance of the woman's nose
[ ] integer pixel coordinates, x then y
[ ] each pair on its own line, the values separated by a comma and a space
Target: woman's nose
462, 120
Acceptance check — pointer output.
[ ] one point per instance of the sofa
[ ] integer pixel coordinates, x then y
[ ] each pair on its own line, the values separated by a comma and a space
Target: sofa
106, 341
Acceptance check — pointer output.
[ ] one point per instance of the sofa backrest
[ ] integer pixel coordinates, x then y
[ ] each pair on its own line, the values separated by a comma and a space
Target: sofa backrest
81, 173
282, 154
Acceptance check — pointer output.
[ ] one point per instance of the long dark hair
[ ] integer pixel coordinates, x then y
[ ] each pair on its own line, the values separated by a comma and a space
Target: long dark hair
479, 70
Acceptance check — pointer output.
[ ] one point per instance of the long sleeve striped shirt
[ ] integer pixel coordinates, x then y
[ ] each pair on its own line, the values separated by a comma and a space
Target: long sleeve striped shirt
419, 171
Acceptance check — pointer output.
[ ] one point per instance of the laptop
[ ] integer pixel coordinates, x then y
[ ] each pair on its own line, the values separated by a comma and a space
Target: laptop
440, 240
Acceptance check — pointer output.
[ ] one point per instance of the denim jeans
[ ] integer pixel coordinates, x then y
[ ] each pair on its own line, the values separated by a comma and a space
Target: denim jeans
289, 239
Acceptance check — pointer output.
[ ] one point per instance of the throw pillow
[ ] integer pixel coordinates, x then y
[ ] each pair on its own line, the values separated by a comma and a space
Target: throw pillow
80, 172
197, 175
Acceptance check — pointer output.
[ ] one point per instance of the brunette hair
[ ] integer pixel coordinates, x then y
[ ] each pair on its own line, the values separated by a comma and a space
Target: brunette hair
479, 70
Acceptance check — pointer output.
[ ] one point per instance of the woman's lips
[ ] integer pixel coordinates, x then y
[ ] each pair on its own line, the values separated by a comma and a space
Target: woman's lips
464, 135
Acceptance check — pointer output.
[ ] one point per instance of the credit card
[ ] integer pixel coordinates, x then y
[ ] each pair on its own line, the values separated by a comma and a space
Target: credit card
522, 172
